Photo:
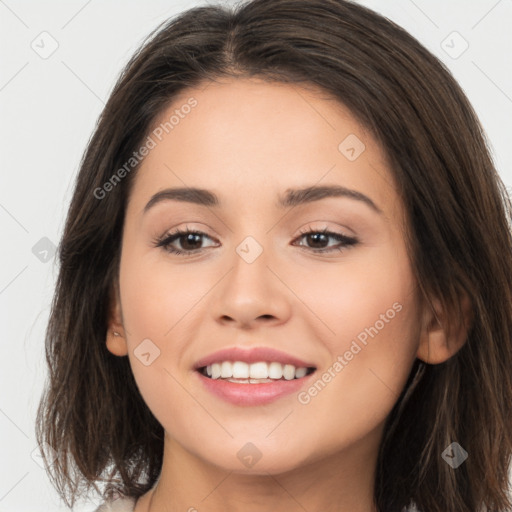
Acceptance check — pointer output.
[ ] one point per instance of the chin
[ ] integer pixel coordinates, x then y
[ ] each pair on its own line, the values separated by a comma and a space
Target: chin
250, 459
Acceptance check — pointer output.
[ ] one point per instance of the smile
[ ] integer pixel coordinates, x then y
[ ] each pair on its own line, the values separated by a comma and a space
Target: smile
255, 373
253, 384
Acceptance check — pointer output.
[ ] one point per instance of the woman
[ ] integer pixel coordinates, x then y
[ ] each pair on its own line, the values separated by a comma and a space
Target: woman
289, 221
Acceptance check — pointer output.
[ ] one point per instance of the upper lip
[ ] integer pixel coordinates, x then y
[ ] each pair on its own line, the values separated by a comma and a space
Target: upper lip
252, 355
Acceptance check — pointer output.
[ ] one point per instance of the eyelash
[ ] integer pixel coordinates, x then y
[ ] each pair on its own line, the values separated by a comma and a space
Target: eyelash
166, 240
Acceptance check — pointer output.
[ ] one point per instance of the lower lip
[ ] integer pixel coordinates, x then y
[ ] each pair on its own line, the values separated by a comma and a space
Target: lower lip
253, 394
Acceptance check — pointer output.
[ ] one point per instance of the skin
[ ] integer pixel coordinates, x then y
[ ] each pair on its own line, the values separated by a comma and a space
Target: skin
248, 141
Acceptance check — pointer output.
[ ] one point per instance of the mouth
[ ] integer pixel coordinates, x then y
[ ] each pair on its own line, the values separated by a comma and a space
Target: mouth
261, 372
255, 384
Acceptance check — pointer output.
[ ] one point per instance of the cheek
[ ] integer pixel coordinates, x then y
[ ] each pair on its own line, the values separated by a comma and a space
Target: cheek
374, 314
357, 390
370, 289
159, 303
157, 294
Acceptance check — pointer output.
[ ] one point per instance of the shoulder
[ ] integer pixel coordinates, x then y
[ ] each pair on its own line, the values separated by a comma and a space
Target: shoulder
118, 505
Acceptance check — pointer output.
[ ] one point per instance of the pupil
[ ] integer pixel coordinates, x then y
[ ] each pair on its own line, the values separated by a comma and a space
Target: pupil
190, 238
315, 236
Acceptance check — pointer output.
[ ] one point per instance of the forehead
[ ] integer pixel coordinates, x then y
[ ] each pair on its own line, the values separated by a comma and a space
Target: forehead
243, 137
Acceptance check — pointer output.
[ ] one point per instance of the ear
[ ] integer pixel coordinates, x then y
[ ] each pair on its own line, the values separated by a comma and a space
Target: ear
443, 335
116, 335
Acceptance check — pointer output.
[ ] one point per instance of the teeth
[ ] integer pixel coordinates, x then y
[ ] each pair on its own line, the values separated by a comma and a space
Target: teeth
300, 372
288, 371
275, 370
226, 370
258, 371
215, 371
240, 370
255, 372
249, 381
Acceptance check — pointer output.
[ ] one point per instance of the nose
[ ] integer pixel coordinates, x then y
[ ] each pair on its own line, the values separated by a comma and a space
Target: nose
252, 293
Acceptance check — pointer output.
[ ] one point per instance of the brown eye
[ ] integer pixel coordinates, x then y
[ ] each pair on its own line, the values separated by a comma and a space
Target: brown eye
317, 240
190, 241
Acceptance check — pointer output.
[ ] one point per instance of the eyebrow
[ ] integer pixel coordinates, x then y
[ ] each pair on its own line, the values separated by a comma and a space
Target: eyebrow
291, 197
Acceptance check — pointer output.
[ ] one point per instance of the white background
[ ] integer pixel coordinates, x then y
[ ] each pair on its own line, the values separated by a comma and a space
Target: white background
48, 111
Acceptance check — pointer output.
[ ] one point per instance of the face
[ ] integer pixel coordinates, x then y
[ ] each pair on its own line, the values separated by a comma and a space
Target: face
341, 298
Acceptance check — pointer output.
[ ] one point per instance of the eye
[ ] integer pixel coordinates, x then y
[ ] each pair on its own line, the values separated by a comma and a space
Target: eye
188, 239
319, 237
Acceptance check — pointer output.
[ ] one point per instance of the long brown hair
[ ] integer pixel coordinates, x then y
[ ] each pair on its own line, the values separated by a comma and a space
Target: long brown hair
458, 211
